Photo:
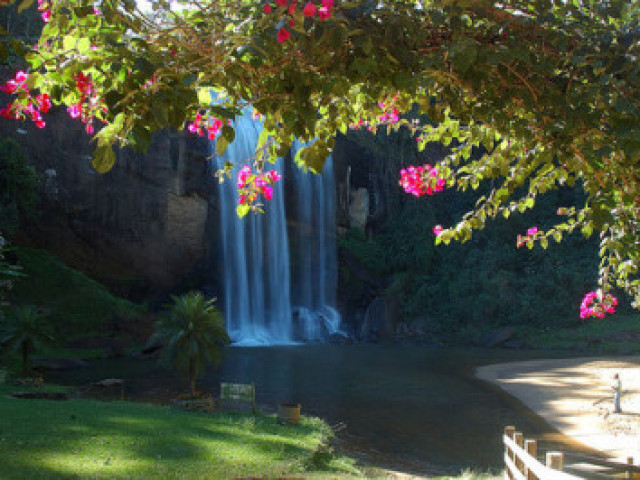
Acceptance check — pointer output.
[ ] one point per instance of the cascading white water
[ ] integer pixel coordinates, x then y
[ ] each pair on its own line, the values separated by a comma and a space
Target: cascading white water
257, 300
257, 292
315, 272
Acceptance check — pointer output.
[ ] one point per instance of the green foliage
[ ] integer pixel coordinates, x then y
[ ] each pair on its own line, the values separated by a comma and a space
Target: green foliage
367, 251
18, 187
78, 305
8, 272
463, 291
24, 330
193, 333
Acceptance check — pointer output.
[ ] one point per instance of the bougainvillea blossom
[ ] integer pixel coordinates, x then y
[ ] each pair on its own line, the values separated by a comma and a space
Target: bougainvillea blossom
309, 9
421, 180
283, 35
597, 305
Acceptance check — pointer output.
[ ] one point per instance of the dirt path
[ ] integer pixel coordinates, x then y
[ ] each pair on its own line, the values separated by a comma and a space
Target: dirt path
574, 396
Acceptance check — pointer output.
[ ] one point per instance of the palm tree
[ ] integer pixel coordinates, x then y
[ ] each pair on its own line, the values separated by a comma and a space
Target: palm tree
193, 333
24, 330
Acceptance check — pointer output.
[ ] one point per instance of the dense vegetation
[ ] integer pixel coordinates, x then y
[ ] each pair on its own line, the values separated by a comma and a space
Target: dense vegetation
76, 304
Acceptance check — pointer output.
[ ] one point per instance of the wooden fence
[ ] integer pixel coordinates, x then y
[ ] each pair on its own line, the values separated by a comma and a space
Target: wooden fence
521, 462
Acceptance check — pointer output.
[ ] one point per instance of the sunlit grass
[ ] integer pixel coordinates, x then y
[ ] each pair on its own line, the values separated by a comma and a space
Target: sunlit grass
89, 439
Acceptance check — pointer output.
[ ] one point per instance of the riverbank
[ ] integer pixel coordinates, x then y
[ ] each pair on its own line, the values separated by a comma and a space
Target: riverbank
574, 396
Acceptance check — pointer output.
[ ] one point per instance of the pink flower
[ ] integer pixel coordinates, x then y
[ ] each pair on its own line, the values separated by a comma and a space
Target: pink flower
532, 231
273, 176
7, 113
324, 13
309, 9
267, 8
243, 176
283, 35
89, 128
267, 191
437, 230
44, 101
292, 8
281, 3
46, 16
74, 110
327, 3
597, 305
21, 76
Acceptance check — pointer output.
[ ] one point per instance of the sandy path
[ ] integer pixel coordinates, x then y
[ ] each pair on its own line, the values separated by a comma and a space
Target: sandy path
574, 396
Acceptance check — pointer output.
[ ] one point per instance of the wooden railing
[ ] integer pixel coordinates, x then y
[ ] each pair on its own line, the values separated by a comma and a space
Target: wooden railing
521, 462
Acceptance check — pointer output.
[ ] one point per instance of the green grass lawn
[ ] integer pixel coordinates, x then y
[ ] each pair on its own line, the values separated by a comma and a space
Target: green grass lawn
44, 439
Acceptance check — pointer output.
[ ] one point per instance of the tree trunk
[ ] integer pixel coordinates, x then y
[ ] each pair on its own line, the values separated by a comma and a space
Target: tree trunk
192, 375
25, 359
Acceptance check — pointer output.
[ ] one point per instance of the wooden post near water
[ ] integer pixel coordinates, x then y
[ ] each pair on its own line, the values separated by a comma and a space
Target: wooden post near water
518, 437
531, 447
509, 432
555, 460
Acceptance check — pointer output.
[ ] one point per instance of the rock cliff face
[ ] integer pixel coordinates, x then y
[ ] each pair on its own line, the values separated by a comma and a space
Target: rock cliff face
142, 226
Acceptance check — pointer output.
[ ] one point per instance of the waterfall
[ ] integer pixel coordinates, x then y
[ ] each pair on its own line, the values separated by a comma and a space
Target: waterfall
257, 298
258, 277
315, 273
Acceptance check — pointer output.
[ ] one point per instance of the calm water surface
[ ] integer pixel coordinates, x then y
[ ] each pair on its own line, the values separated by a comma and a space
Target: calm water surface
404, 407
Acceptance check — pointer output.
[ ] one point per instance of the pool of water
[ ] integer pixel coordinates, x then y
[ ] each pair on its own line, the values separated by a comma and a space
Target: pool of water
404, 407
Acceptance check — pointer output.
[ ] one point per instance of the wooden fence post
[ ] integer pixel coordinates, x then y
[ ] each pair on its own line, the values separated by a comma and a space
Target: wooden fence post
518, 437
555, 460
509, 432
629, 473
531, 447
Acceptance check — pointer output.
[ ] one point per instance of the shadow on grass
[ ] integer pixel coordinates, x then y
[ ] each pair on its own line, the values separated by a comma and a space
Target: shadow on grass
82, 439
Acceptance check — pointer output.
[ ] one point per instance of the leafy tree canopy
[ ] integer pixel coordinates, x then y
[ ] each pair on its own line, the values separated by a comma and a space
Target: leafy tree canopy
549, 89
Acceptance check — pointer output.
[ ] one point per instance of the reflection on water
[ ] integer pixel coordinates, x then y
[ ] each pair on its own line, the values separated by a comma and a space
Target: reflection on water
405, 407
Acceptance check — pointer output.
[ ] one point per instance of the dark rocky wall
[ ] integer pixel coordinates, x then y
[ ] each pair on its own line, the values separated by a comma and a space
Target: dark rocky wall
141, 227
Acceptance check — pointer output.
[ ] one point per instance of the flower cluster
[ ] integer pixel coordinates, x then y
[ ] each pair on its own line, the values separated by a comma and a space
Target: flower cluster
206, 124
424, 180
523, 239
597, 305
250, 185
309, 10
44, 6
390, 115
89, 103
33, 108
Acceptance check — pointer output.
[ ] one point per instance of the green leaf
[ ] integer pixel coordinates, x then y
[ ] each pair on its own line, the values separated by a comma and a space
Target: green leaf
464, 53
221, 145
24, 5
229, 133
242, 210
104, 158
